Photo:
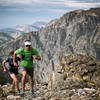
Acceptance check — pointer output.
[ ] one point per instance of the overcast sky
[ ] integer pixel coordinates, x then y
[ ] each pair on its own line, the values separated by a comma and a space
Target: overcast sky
17, 12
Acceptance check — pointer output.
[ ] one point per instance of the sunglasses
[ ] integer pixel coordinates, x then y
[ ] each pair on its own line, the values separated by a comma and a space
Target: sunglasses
27, 45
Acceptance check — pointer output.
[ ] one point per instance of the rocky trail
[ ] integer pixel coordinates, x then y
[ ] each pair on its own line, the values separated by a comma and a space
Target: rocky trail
42, 93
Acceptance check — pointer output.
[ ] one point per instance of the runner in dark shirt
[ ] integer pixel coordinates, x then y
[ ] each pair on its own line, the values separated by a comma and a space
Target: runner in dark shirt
12, 70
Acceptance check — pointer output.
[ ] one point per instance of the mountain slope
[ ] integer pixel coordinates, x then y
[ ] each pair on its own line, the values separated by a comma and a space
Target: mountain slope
75, 32
4, 37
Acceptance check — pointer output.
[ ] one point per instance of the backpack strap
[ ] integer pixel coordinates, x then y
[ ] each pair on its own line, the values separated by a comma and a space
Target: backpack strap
23, 54
32, 54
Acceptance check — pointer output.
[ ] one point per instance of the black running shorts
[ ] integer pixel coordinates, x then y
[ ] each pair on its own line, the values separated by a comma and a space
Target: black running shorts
29, 71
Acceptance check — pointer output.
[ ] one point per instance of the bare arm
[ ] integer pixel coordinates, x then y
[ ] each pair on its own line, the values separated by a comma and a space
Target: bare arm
14, 57
36, 54
3, 65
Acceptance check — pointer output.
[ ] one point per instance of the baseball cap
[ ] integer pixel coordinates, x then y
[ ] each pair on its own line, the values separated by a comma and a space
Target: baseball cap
27, 43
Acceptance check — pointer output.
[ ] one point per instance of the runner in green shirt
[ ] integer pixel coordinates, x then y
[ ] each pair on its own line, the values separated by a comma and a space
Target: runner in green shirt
27, 65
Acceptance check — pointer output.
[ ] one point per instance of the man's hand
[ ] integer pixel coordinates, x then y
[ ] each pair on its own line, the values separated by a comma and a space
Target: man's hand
34, 57
37, 58
19, 67
4, 70
15, 64
3, 65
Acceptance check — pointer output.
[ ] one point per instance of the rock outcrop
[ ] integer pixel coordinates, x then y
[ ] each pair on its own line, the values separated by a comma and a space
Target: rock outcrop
76, 78
82, 67
76, 67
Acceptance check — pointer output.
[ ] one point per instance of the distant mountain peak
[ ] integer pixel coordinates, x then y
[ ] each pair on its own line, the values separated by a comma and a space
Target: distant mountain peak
23, 28
39, 24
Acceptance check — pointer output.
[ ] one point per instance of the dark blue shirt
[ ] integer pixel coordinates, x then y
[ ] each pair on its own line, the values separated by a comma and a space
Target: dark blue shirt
10, 61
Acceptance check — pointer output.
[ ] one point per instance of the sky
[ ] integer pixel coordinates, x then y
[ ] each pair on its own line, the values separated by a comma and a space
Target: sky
18, 12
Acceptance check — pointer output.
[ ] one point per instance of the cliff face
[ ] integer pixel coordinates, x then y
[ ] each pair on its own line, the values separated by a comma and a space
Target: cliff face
75, 32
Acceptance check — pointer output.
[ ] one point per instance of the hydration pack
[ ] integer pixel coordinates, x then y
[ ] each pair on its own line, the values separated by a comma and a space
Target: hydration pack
23, 54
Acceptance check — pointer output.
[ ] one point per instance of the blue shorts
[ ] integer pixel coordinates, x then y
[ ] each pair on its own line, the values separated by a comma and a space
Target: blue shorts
13, 71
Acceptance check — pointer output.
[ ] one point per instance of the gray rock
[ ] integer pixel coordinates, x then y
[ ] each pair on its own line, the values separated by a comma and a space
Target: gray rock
11, 97
88, 90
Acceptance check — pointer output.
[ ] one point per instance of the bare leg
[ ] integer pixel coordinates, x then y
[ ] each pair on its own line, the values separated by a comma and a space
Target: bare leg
13, 76
31, 82
23, 79
13, 85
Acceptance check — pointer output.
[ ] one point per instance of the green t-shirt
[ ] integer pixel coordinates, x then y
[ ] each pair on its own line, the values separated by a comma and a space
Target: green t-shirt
27, 62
